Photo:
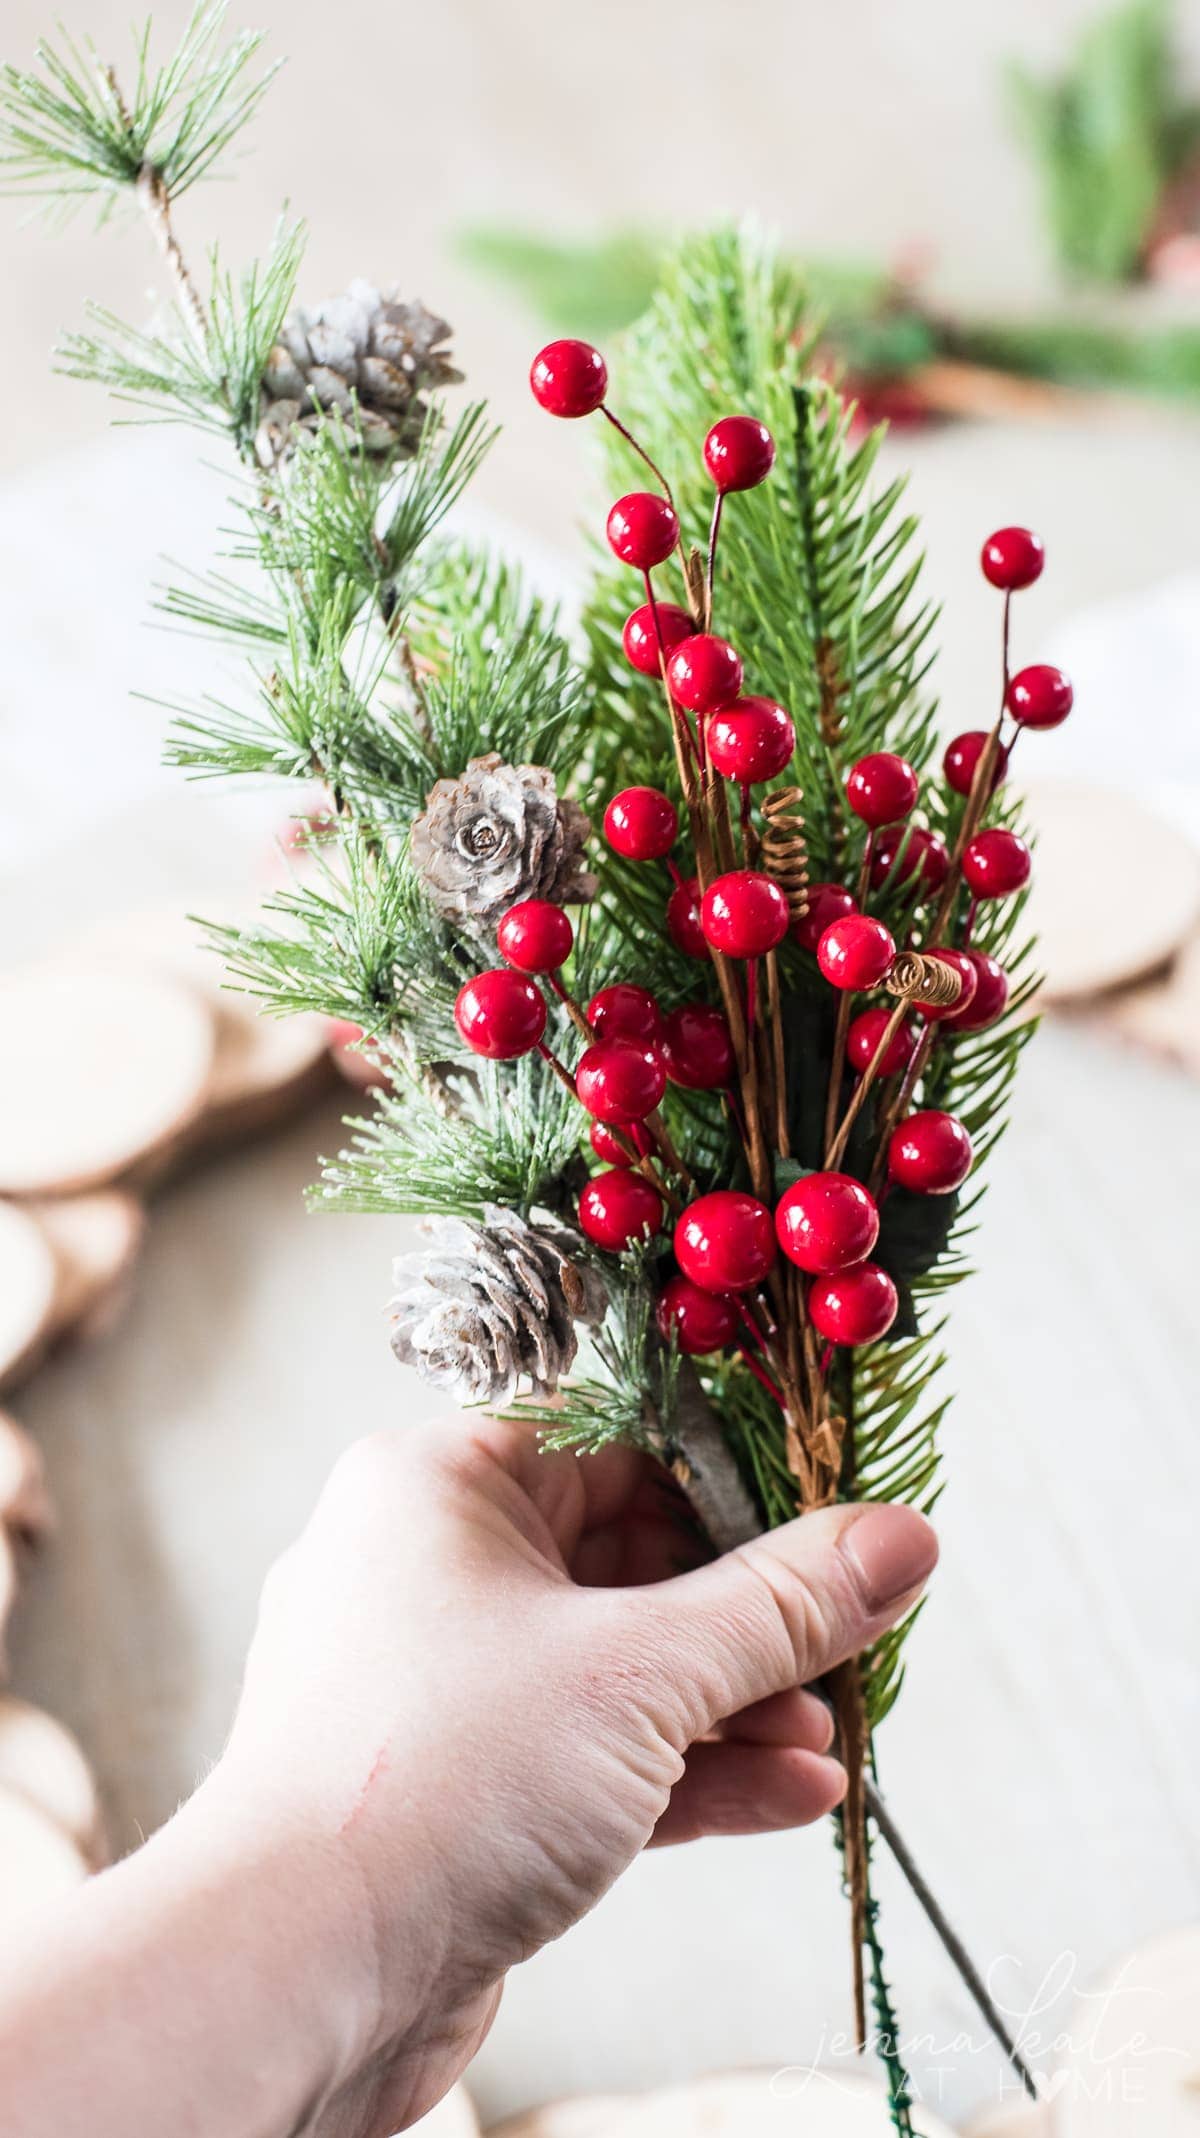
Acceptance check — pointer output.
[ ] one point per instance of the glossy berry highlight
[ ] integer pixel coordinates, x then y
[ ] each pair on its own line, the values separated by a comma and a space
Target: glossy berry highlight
739, 453
619, 1081
704, 673
641, 823
744, 914
617, 1208
855, 952
568, 378
535, 936
699, 1321
500, 1014
882, 789
826, 1222
996, 863
725, 1242
640, 639
858, 1306
642, 529
1040, 696
1012, 558
752, 739
930, 1153
697, 1050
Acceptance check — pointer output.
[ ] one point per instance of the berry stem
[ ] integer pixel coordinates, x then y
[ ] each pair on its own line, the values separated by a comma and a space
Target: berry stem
713, 532
560, 1069
895, 1113
679, 725
837, 1063
761, 1376
572, 1008
640, 450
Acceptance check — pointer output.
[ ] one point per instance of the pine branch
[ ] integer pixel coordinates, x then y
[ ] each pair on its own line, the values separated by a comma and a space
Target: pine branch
69, 134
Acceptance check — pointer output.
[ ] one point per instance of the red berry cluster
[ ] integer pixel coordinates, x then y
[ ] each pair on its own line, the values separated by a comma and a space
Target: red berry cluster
827, 1223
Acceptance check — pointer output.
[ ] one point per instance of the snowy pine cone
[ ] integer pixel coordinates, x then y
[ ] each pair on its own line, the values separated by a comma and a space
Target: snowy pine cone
365, 355
484, 1306
498, 834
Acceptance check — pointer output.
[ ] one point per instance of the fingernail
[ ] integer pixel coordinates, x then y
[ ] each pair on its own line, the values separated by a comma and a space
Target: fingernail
893, 1550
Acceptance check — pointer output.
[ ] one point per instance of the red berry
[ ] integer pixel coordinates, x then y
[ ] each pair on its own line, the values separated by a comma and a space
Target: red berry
739, 453
683, 919
929, 1153
864, 1035
989, 1001
697, 1048
855, 952
535, 936
500, 1014
751, 739
625, 1012
1012, 558
1040, 696
964, 965
569, 378
699, 1321
996, 863
604, 1142
640, 639
725, 1242
642, 529
827, 903
882, 788
618, 1208
962, 756
910, 851
704, 672
856, 1307
744, 914
641, 823
619, 1081
826, 1222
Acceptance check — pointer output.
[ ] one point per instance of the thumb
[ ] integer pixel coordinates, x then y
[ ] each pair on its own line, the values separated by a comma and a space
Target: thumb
782, 1609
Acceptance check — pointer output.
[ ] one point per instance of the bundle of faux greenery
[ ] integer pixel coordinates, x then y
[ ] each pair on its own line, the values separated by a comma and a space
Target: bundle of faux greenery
666, 1124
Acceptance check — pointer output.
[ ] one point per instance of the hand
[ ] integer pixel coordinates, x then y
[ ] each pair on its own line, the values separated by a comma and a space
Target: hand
479, 1687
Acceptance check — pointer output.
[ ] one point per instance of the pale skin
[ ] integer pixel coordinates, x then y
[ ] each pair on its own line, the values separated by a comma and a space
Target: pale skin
478, 1688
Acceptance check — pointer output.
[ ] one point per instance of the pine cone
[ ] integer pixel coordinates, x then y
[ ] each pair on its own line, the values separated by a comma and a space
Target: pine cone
496, 835
485, 1305
367, 356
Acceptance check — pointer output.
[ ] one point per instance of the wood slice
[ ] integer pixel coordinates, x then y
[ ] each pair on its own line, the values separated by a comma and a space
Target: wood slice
1163, 1015
1132, 2065
265, 1068
41, 1760
1116, 889
26, 1509
94, 1240
770, 2104
28, 1282
592, 2116
1015, 2119
454, 2117
39, 1863
103, 1066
